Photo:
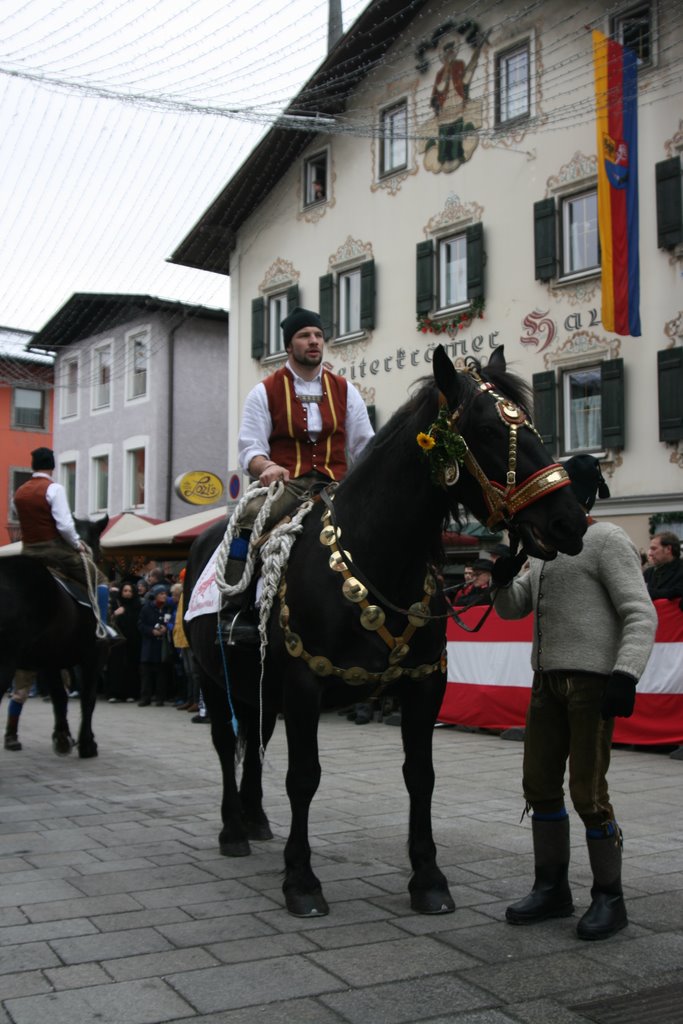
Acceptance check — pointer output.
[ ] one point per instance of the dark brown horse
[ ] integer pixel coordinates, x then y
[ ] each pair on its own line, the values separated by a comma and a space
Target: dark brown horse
43, 628
360, 609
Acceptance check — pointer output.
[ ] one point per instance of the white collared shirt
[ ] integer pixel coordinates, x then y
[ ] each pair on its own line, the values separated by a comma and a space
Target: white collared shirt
257, 424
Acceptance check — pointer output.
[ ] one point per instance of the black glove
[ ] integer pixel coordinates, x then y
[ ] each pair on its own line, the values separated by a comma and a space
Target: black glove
504, 569
620, 696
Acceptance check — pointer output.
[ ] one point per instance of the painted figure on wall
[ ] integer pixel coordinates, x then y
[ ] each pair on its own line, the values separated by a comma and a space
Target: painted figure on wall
450, 136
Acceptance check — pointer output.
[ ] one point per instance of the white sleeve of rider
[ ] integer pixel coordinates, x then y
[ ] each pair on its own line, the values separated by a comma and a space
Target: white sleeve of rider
61, 513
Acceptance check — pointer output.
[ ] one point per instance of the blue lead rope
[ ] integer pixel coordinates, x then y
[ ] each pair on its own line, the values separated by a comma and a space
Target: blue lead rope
233, 721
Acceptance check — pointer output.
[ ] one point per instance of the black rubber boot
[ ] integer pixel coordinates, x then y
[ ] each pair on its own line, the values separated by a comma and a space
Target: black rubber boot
607, 912
12, 741
550, 895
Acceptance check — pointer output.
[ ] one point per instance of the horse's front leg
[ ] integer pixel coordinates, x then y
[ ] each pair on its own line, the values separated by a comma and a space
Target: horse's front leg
420, 705
302, 890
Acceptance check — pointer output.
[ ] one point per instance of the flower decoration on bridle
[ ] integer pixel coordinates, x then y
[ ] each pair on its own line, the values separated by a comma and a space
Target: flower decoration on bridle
444, 448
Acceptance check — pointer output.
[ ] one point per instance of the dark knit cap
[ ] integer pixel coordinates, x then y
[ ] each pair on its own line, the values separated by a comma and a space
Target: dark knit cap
482, 565
587, 479
297, 320
42, 458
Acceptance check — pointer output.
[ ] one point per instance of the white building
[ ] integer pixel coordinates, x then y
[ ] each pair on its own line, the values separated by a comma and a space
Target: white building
441, 163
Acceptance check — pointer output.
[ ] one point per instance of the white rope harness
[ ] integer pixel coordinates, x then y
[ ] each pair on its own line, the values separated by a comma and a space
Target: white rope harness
274, 553
90, 570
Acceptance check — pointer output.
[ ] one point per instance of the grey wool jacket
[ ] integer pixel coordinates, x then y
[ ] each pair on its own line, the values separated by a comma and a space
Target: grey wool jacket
592, 611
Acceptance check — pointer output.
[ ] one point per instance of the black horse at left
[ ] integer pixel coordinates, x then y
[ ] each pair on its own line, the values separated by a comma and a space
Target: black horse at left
360, 609
44, 628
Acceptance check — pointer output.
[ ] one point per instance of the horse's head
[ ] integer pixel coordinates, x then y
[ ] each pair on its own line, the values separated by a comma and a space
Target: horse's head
503, 473
90, 532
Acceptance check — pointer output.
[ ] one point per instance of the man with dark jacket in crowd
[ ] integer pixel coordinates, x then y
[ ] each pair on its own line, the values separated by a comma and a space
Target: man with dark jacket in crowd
664, 577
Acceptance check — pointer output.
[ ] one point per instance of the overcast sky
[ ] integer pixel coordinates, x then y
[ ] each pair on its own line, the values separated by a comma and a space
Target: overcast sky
116, 134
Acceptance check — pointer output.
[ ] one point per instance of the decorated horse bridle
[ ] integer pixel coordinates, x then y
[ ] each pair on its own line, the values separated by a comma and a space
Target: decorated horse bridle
503, 503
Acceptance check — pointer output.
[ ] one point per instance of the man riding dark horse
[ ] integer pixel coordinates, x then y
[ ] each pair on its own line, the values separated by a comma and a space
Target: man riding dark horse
48, 530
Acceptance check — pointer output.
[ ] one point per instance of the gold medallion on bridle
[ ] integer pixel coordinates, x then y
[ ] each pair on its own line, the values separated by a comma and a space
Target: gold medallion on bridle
418, 614
284, 615
321, 665
429, 584
294, 645
353, 590
328, 536
372, 617
337, 562
354, 675
398, 653
390, 674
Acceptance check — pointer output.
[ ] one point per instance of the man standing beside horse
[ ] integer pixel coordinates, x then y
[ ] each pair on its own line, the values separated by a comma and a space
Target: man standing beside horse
298, 426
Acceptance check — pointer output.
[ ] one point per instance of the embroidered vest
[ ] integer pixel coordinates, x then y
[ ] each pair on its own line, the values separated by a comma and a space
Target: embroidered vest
35, 514
290, 444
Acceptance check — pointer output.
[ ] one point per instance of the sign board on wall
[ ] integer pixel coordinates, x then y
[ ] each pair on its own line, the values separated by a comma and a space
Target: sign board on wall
199, 487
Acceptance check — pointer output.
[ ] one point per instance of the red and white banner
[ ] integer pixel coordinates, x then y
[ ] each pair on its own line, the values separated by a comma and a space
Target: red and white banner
489, 678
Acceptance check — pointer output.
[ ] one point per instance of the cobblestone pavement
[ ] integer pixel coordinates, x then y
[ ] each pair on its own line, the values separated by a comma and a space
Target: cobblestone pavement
116, 907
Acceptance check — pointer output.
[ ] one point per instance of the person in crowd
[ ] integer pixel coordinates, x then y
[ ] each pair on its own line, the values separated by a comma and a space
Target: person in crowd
142, 588
182, 645
664, 577
594, 627
21, 688
155, 648
298, 425
479, 591
123, 664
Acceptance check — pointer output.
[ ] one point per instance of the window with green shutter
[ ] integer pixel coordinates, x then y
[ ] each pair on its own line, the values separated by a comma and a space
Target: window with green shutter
669, 203
326, 293
425, 277
670, 391
545, 240
545, 408
258, 327
475, 261
612, 382
367, 295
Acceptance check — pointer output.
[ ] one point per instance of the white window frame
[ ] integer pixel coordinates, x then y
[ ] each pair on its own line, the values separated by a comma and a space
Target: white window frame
130, 446
446, 299
393, 142
276, 311
617, 27
505, 94
94, 456
99, 352
70, 391
68, 459
570, 267
133, 338
16, 425
348, 297
569, 372
311, 174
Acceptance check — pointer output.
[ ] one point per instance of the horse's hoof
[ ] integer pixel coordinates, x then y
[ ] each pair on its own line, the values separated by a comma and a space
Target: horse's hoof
87, 750
307, 904
434, 901
237, 848
259, 831
62, 743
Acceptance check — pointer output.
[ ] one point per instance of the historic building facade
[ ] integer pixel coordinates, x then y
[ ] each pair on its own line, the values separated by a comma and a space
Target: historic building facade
435, 182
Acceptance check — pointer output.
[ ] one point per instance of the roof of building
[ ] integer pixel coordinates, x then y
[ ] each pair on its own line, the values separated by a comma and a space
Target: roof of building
210, 242
13, 344
89, 313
